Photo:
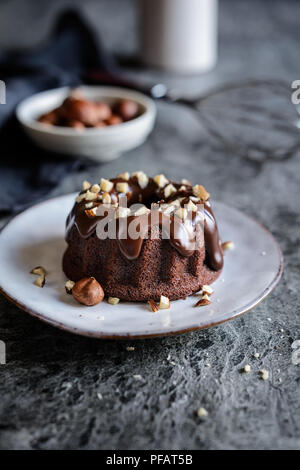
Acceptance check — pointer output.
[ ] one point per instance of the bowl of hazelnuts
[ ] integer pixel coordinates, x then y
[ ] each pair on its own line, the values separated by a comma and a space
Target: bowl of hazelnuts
97, 122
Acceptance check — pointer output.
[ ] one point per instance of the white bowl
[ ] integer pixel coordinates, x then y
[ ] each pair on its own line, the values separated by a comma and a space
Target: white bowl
101, 144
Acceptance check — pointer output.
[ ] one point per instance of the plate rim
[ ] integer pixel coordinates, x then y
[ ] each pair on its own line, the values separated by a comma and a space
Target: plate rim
99, 335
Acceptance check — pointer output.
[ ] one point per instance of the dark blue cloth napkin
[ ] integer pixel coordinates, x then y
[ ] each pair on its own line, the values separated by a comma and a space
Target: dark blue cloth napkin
27, 173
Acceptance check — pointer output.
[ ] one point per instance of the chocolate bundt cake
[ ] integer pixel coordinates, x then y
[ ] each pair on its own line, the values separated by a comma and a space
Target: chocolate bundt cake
143, 268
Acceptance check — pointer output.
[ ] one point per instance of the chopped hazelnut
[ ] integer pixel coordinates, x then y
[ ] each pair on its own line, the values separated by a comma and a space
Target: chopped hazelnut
122, 187
137, 377
185, 181
200, 191
264, 374
80, 198
176, 203
86, 185
122, 212
125, 176
141, 211
106, 185
228, 246
164, 302
95, 188
207, 290
167, 209
142, 179
153, 305
181, 212
202, 412
247, 368
89, 196
69, 286
113, 300
41, 273
205, 300
91, 212
191, 206
160, 180
169, 190
106, 198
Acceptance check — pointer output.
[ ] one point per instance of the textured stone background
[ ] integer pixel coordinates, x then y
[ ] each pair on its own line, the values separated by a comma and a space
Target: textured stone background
51, 383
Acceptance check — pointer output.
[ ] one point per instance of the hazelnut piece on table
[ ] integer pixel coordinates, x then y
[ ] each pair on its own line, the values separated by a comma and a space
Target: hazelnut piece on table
88, 291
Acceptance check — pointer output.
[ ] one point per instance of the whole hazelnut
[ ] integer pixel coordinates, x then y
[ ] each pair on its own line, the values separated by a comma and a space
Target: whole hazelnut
88, 291
103, 111
114, 119
127, 109
76, 124
75, 109
49, 118
100, 124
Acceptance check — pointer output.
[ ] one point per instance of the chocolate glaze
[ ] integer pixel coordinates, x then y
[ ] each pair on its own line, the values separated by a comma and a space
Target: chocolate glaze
182, 233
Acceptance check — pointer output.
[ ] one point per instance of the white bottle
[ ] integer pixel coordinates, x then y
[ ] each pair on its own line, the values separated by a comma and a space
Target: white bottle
179, 35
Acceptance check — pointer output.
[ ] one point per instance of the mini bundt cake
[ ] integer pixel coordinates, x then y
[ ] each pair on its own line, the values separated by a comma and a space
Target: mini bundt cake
143, 268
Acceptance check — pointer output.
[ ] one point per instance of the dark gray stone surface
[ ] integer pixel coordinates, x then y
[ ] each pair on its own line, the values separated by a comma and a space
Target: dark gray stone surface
51, 383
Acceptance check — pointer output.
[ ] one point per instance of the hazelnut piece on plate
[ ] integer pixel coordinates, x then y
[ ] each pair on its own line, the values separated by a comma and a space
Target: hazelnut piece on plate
88, 291
228, 245
69, 286
164, 302
153, 305
41, 273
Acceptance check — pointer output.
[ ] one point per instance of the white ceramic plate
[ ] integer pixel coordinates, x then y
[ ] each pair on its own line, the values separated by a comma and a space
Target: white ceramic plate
36, 237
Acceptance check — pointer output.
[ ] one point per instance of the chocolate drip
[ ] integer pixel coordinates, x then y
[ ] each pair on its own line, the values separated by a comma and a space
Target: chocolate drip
182, 233
214, 258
